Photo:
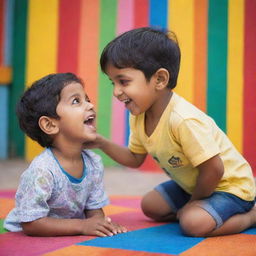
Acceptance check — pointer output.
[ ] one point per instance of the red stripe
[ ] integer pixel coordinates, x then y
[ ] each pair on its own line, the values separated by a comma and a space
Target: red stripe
1, 32
200, 51
69, 24
141, 19
249, 146
141, 13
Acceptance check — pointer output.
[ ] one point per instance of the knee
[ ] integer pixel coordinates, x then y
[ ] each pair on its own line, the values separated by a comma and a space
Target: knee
196, 225
154, 206
148, 209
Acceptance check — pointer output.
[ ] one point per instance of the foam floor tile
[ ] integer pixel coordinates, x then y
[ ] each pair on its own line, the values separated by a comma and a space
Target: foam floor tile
113, 209
7, 193
233, 245
250, 231
162, 239
134, 220
126, 201
78, 250
2, 230
6, 205
18, 244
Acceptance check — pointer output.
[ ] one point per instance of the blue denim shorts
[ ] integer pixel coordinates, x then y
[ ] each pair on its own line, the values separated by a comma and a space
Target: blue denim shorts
220, 205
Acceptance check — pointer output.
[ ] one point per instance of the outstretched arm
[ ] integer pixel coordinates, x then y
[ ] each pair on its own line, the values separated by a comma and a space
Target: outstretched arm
96, 224
120, 154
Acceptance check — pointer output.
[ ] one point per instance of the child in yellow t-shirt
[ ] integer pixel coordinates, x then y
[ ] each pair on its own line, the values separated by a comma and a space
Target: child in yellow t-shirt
212, 189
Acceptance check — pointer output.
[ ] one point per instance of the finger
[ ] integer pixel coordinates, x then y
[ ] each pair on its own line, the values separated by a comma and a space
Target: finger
121, 229
124, 229
111, 227
108, 219
100, 234
105, 231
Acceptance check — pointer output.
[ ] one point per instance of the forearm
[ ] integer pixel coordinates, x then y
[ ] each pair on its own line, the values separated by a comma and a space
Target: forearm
210, 174
48, 226
204, 188
121, 154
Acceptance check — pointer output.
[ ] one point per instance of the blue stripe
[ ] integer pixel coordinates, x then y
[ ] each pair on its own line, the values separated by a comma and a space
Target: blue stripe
9, 9
127, 127
158, 11
4, 121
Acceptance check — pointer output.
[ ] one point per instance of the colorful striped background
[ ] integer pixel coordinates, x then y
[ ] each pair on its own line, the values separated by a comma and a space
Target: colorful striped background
218, 66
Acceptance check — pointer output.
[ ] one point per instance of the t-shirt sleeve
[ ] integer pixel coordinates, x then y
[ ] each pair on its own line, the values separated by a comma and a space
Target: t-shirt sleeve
197, 141
134, 142
31, 198
97, 197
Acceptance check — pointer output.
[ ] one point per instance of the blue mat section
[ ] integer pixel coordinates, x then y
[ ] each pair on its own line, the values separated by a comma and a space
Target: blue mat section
171, 241
250, 231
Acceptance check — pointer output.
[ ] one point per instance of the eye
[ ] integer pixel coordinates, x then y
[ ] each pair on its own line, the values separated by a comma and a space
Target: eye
76, 100
124, 82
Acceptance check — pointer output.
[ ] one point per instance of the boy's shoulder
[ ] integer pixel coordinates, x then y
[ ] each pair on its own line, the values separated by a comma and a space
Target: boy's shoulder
42, 164
44, 159
182, 110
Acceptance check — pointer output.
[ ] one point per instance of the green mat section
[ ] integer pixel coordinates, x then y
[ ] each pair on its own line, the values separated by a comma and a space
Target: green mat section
2, 229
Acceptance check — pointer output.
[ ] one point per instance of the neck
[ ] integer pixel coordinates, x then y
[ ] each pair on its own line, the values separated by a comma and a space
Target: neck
70, 153
157, 109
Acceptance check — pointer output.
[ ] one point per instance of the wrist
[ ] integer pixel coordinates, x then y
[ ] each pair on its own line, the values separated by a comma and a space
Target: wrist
102, 142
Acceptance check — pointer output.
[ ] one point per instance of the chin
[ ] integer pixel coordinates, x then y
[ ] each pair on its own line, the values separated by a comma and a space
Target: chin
91, 138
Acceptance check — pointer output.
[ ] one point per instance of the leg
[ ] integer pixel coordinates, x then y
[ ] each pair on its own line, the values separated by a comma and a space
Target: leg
162, 203
220, 214
236, 224
155, 207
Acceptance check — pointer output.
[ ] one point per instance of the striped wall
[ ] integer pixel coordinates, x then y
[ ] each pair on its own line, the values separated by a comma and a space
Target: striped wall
6, 19
218, 66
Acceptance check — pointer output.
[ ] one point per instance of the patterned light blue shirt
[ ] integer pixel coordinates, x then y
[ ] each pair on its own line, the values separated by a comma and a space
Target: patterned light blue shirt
46, 190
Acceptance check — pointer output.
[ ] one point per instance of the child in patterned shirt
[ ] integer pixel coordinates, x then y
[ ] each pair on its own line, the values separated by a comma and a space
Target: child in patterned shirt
62, 191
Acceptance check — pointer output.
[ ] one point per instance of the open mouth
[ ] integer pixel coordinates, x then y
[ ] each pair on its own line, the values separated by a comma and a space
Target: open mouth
90, 120
127, 101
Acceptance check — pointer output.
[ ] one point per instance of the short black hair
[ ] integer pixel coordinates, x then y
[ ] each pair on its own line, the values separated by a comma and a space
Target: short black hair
146, 49
41, 99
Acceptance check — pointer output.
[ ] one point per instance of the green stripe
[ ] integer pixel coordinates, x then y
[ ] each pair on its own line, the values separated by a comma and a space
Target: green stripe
217, 61
108, 16
17, 87
2, 229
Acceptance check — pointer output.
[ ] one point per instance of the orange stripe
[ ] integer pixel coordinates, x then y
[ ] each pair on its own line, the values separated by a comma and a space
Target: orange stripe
200, 33
88, 47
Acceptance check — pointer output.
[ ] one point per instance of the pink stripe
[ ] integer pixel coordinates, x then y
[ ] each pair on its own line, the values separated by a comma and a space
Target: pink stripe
7, 193
124, 23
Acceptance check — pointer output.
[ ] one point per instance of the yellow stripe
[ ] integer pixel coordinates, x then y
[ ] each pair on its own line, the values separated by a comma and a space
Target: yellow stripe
181, 21
235, 72
41, 49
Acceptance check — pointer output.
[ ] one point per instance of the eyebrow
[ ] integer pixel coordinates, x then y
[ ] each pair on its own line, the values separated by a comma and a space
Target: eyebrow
74, 95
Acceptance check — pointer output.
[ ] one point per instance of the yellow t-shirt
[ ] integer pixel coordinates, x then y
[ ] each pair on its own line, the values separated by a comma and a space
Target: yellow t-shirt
186, 137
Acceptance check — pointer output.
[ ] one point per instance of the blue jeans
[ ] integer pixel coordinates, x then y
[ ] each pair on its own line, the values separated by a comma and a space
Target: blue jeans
220, 205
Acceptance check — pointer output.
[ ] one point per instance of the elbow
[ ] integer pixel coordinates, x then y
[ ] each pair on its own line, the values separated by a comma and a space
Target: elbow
28, 229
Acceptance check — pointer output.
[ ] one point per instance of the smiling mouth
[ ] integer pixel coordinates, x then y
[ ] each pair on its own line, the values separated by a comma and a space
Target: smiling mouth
126, 101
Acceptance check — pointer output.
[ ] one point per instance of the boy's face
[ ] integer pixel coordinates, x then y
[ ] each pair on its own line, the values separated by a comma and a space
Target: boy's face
77, 116
132, 88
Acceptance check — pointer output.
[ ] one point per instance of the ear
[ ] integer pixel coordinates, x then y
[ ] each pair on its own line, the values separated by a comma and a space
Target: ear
162, 77
48, 125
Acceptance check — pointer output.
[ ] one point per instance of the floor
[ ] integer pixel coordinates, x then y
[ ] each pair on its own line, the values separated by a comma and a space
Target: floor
118, 180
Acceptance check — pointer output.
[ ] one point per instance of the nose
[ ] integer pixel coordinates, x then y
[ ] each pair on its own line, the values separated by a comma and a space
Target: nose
89, 105
117, 91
